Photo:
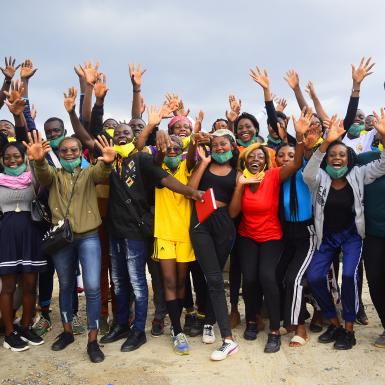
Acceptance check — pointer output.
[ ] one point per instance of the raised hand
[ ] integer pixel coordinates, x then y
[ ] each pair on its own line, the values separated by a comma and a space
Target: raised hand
106, 148
70, 99
17, 90
16, 107
142, 106
292, 78
281, 104
201, 138
33, 112
172, 101
180, 111
154, 116
231, 116
242, 180
198, 121
335, 128
310, 90
136, 75
360, 73
235, 105
379, 123
163, 141
36, 147
27, 70
262, 78
9, 70
302, 125
205, 158
100, 87
89, 72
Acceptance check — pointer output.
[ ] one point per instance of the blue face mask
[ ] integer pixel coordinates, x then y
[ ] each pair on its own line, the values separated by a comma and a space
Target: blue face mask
336, 173
247, 144
223, 157
54, 143
172, 162
273, 140
70, 165
15, 171
355, 129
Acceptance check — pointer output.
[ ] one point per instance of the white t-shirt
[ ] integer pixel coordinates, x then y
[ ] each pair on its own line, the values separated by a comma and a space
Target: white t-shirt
362, 143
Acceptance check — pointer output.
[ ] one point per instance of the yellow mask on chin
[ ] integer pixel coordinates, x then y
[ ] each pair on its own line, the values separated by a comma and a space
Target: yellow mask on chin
124, 150
11, 139
247, 174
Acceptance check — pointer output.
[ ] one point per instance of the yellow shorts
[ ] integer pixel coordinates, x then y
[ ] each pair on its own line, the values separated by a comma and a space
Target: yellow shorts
181, 251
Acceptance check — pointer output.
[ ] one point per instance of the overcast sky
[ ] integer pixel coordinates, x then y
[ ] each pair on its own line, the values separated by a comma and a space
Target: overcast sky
201, 50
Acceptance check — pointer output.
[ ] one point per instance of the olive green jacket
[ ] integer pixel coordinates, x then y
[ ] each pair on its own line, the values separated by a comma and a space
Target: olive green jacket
83, 212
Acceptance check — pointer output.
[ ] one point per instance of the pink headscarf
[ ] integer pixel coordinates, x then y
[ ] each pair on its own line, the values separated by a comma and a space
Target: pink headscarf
16, 182
177, 119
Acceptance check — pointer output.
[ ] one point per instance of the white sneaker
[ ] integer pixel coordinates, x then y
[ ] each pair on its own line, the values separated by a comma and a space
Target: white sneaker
228, 348
208, 336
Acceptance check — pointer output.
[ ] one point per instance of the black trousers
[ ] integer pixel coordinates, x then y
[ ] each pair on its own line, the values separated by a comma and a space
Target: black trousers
374, 259
212, 242
235, 275
259, 263
200, 288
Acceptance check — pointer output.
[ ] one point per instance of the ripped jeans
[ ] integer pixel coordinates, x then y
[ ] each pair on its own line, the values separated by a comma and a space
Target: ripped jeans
87, 249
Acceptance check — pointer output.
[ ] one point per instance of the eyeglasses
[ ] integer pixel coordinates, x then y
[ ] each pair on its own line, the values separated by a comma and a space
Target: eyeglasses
174, 149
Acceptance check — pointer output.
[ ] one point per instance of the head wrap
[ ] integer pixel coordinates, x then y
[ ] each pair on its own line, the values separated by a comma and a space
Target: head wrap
177, 119
248, 151
224, 132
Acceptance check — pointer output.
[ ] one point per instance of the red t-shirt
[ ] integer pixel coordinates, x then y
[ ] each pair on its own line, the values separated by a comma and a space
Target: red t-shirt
260, 220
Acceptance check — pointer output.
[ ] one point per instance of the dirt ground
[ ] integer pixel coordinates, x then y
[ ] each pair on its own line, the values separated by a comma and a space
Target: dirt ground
155, 363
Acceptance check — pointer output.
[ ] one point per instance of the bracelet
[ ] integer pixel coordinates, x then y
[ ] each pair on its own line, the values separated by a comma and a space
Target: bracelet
137, 91
299, 142
355, 90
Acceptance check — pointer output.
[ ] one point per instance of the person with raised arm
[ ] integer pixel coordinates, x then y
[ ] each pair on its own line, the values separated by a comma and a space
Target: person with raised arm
9, 72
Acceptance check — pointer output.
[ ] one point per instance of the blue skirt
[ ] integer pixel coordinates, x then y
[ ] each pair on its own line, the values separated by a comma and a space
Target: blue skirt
20, 244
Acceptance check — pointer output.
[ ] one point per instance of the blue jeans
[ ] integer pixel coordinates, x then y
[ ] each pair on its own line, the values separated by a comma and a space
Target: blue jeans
128, 271
87, 249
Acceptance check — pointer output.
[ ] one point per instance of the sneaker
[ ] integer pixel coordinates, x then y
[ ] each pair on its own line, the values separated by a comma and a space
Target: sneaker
251, 331
235, 318
361, 317
77, 327
345, 340
197, 326
62, 341
330, 335
28, 335
273, 343
104, 327
157, 328
94, 352
208, 336
14, 343
228, 348
380, 341
188, 322
42, 326
181, 345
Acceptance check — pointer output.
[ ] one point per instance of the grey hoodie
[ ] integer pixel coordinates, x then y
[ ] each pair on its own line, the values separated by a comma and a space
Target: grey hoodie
319, 183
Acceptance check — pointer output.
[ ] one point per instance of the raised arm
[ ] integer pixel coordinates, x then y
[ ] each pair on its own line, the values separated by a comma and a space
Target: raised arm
26, 72
153, 120
200, 169
16, 105
317, 104
9, 72
292, 79
233, 113
82, 85
136, 74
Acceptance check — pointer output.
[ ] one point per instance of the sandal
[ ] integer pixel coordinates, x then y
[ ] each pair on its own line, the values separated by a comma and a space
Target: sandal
298, 340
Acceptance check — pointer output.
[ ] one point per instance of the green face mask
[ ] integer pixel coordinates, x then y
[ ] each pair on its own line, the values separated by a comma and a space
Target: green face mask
273, 140
15, 171
54, 143
355, 129
336, 173
222, 157
172, 162
70, 165
247, 144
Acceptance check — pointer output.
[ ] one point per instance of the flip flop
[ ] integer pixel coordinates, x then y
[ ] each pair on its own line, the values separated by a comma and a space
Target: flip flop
299, 340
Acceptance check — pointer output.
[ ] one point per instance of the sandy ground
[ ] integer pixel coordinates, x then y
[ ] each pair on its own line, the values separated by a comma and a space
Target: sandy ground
155, 363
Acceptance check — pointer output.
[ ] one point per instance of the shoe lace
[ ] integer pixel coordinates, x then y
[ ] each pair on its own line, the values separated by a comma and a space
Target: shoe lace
208, 330
181, 338
224, 346
42, 323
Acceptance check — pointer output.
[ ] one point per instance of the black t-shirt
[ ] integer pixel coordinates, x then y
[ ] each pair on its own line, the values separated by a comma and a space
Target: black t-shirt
339, 209
140, 175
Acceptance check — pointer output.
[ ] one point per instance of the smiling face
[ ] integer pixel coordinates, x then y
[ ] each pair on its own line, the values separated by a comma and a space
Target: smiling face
7, 128
221, 144
123, 134
12, 157
136, 126
360, 117
337, 156
110, 123
256, 161
69, 149
284, 156
246, 131
181, 129
174, 150
53, 129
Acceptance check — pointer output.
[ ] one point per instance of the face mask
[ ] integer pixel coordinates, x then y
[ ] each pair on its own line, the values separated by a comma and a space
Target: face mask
247, 144
355, 129
70, 165
110, 132
336, 173
223, 157
15, 171
273, 140
54, 143
247, 174
185, 142
125, 149
172, 162
11, 139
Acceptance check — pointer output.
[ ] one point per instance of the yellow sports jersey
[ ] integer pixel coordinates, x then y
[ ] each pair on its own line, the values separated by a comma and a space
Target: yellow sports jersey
173, 210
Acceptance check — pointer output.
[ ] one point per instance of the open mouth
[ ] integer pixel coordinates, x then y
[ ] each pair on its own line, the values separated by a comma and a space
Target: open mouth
122, 141
254, 167
245, 136
337, 165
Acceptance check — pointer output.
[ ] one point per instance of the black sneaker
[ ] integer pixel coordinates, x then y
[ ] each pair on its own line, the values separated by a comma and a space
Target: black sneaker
188, 321
62, 341
251, 331
330, 335
197, 326
345, 340
28, 335
134, 341
94, 352
157, 328
116, 333
361, 317
15, 343
273, 343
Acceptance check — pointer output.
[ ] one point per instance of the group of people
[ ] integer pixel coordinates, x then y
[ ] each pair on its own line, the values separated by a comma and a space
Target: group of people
121, 196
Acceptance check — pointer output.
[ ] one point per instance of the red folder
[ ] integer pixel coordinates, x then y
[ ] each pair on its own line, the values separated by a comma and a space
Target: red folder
207, 207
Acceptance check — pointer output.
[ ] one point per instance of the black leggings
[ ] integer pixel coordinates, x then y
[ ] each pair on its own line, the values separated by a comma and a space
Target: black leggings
374, 259
259, 263
212, 242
